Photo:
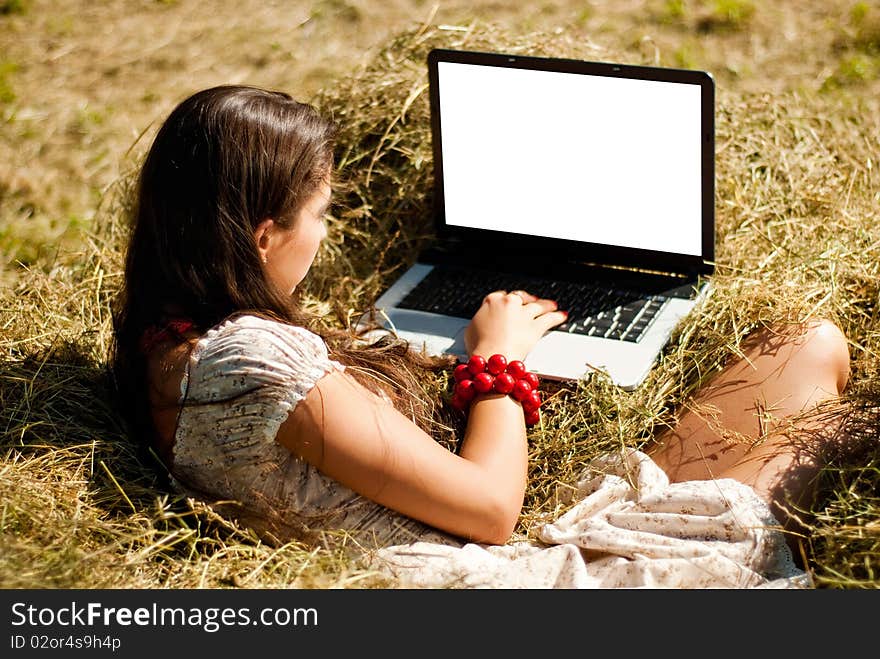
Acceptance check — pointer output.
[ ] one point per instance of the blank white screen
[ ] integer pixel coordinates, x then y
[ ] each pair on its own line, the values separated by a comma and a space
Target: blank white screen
588, 158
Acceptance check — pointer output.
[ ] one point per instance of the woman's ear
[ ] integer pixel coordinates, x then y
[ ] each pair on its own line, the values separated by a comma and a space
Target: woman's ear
263, 238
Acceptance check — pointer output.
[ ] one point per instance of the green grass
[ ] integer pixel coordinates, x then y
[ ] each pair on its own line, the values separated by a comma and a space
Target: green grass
7, 92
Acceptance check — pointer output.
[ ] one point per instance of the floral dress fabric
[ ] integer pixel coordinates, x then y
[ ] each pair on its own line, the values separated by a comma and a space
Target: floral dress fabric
627, 525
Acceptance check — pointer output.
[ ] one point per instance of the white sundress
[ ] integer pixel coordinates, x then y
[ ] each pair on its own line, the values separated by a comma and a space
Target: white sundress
628, 527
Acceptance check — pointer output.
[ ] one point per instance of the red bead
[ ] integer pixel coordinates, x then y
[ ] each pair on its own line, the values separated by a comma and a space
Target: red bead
461, 372
458, 403
464, 389
483, 382
496, 364
532, 379
476, 364
533, 417
516, 368
521, 389
532, 402
504, 383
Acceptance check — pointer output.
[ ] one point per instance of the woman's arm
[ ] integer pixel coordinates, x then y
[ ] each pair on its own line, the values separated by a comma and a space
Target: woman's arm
353, 436
356, 438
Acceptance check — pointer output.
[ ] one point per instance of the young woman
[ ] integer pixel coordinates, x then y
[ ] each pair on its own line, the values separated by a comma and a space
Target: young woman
314, 434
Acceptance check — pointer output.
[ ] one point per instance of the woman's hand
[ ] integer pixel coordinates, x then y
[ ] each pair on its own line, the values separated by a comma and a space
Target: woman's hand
510, 324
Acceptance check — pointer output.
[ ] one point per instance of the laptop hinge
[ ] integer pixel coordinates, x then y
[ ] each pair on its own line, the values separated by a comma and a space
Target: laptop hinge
488, 255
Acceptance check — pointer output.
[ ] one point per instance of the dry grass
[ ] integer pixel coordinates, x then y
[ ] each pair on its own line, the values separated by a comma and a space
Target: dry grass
797, 206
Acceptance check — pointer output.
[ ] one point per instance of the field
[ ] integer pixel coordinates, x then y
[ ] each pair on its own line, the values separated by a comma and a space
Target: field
84, 85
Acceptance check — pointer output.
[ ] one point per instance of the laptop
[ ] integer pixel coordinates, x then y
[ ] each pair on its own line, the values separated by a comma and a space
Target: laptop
590, 183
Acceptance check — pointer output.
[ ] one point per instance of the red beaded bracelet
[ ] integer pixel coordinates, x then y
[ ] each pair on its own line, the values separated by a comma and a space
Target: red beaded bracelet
480, 376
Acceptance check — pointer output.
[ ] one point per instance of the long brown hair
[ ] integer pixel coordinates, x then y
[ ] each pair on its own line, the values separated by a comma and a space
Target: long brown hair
225, 159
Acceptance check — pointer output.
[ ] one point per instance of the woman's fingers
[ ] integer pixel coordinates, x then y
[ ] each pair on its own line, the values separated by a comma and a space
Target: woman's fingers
499, 296
537, 306
524, 296
541, 306
552, 319
547, 312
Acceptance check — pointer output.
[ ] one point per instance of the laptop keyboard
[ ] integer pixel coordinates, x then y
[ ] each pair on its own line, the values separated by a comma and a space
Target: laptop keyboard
593, 310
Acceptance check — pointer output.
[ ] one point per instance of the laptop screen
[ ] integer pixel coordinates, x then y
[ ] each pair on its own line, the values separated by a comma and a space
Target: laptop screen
600, 158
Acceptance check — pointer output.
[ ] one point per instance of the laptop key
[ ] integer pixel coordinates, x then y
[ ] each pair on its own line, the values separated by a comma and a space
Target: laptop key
616, 332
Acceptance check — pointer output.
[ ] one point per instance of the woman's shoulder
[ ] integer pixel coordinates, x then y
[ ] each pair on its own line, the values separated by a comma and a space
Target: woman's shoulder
249, 333
247, 346
252, 323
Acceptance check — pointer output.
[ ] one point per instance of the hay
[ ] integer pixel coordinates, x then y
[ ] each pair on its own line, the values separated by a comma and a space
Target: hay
797, 204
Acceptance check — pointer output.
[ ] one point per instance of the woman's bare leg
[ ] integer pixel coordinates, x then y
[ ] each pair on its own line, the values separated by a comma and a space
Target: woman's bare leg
758, 419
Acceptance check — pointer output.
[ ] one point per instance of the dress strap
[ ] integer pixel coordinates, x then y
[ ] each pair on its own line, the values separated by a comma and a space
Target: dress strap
156, 334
